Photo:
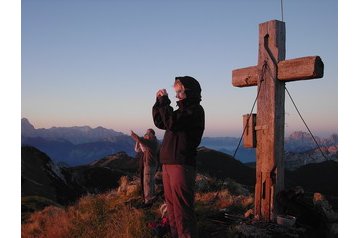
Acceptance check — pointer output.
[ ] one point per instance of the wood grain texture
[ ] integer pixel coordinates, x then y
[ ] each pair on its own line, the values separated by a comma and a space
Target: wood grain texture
310, 67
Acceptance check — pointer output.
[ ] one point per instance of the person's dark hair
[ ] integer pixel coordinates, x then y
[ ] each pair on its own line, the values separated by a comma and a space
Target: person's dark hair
151, 131
192, 87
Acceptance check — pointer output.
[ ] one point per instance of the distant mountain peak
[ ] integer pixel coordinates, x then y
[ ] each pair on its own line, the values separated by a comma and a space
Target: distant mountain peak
299, 135
26, 127
26, 122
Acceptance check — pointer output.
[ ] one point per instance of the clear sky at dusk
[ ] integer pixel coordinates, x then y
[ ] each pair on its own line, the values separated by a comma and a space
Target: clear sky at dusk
100, 63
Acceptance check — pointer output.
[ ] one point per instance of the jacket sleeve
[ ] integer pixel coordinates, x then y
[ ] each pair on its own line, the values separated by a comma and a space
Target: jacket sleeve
165, 118
162, 103
144, 144
137, 147
141, 143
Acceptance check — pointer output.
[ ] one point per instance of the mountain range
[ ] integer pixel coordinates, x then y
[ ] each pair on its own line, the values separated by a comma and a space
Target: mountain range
79, 145
300, 149
71, 146
75, 134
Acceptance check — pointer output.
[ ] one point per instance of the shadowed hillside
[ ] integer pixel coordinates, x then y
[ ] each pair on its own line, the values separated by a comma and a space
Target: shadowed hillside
318, 177
118, 161
41, 177
43, 183
102, 175
221, 165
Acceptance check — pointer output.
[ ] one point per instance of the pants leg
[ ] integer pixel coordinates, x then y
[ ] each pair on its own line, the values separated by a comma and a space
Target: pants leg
148, 182
182, 192
169, 201
152, 182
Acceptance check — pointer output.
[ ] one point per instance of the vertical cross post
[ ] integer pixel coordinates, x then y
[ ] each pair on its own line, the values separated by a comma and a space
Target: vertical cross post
270, 119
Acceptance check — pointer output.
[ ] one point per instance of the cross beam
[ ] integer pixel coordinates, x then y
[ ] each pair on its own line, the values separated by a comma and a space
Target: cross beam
309, 67
270, 75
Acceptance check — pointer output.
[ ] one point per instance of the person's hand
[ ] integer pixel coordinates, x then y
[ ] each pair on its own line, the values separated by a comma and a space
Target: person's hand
162, 92
134, 135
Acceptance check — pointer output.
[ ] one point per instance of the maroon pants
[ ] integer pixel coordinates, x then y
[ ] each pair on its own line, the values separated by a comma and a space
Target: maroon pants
179, 186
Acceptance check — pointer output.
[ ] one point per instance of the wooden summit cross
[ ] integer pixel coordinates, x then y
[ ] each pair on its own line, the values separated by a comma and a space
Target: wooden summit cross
270, 75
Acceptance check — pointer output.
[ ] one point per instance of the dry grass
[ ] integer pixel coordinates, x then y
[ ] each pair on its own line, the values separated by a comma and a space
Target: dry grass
220, 194
112, 215
50, 222
104, 215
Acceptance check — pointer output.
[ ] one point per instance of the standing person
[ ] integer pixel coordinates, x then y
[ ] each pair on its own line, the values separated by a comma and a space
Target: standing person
149, 146
184, 128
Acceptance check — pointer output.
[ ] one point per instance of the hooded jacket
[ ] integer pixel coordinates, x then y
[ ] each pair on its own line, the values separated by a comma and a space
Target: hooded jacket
183, 127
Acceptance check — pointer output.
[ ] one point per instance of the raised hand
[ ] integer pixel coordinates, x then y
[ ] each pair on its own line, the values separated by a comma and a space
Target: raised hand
161, 92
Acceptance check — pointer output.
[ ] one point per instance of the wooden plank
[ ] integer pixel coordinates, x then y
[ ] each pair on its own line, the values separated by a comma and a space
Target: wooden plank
250, 133
245, 77
310, 67
304, 68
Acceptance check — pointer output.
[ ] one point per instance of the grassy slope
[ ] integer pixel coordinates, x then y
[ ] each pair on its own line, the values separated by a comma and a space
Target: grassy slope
114, 214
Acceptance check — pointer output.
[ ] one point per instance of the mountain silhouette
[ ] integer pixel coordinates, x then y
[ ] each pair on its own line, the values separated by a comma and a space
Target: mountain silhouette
41, 177
221, 165
317, 177
43, 183
75, 145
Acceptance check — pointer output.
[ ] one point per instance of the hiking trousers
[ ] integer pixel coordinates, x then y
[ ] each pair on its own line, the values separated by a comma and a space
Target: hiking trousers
179, 192
148, 183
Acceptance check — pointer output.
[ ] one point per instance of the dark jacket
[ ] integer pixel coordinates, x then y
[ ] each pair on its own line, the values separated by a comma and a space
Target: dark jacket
184, 128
